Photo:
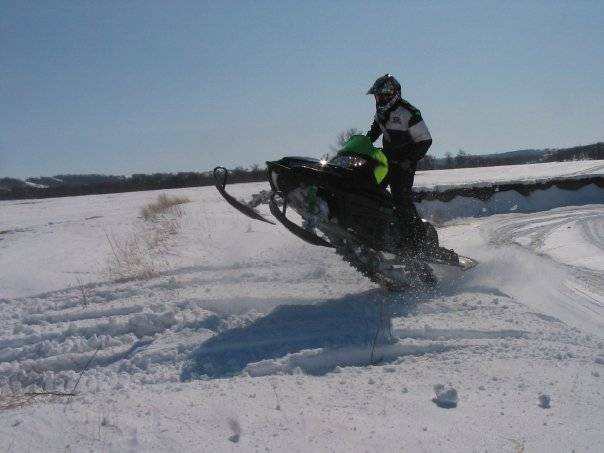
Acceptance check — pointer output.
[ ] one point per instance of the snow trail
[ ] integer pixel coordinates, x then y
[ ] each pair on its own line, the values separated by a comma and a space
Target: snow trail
563, 281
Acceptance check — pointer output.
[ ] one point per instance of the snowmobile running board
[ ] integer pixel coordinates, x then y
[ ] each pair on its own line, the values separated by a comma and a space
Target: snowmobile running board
220, 179
303, 234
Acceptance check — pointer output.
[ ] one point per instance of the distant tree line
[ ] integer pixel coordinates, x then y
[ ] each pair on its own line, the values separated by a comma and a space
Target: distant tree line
529, 156
71, 185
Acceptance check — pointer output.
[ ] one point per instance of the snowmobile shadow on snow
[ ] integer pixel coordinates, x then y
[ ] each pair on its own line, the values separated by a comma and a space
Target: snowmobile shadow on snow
350, 331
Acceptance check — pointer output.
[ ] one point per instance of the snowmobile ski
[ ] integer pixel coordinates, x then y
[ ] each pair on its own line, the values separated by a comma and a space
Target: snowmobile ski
220, 179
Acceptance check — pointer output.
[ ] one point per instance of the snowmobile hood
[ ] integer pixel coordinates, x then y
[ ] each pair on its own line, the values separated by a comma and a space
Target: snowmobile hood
361, 145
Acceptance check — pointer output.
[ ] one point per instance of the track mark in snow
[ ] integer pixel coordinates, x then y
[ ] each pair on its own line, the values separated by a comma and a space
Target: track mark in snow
547, 318
136, 333
82, 314
452, 334
318, 362
143, 330
558, 261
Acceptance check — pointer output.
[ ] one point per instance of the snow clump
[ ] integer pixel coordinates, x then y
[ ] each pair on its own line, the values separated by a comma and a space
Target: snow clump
544, 401
236, 428
446, 397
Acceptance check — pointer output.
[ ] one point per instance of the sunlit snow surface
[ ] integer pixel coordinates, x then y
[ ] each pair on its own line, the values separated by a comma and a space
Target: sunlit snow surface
280, 333
523, 174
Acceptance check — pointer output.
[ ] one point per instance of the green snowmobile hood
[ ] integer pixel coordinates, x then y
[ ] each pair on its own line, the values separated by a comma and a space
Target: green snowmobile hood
362, 145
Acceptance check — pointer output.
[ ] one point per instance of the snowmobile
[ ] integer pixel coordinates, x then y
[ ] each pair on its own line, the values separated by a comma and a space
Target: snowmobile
343, 204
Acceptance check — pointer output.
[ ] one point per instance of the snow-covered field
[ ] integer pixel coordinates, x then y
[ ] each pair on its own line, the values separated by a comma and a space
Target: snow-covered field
283, 333
441, 180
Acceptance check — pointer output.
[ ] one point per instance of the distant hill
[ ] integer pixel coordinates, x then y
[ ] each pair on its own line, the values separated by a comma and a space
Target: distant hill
520, 157
7, 184
74, 180
520, 154
71, 185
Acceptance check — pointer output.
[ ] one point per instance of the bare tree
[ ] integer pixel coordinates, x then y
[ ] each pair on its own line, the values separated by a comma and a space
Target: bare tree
426, 163
343, 138
461, 159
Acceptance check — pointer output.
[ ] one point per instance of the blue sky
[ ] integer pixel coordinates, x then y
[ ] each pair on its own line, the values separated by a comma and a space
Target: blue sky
121, 87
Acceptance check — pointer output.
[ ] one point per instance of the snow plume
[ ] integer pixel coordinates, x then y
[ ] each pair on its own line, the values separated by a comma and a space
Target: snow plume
539, 283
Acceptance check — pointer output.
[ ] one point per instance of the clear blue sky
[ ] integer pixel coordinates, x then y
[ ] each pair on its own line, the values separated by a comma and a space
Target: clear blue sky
123, 87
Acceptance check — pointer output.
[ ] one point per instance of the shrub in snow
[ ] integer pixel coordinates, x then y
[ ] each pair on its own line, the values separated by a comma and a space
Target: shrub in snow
446, 397
141, 254
131, 257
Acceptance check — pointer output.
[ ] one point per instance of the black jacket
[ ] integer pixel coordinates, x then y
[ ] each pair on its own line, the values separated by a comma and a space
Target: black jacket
406, 136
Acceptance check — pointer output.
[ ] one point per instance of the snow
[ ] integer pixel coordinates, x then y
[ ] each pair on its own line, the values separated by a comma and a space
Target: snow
37, 186
246, 338
441, 180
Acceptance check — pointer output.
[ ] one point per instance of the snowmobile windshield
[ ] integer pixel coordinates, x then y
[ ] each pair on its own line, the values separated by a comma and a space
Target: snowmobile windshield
360, 147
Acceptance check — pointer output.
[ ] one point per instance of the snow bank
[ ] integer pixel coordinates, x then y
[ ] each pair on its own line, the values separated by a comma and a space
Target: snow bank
509, 201
443, 195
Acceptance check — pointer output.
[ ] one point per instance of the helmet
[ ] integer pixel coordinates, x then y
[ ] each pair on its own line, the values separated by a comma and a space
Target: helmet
386, 84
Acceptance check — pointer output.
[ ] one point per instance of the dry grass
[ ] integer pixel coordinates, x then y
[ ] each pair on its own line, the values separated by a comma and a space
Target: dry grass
141, 254
133, 256
164, 205
85, 291
9, 402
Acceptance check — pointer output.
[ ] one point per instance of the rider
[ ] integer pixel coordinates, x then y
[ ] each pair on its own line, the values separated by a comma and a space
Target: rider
406, 140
